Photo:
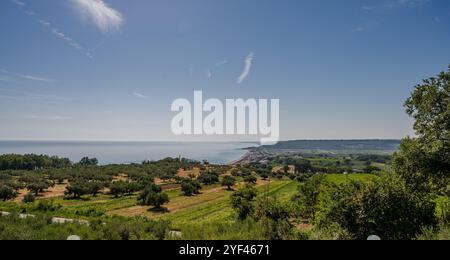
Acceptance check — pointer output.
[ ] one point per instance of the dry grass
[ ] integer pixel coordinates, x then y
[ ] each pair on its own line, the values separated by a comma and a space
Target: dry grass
52, 192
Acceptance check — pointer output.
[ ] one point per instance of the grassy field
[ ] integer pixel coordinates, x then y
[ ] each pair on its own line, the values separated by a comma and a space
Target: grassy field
344, 178
212, 205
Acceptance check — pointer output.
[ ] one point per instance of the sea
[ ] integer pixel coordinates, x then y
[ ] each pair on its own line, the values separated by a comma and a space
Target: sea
131, 152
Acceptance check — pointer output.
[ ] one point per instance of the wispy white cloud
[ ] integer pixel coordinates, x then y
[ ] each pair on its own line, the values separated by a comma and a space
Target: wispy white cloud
221, 63
4, 78
209, 74
101, 14
60, 35
359, 29
19, 3
28, 77
247, 68
394, 4
139, 95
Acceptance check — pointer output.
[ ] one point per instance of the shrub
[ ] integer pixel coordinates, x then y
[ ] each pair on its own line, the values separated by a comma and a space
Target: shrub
29, 198
308, 197
386, 208
242, 201
274, 218
7, 193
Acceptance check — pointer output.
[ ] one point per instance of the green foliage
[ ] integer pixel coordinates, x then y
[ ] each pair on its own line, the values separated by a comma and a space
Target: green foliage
220, 230
424, 162
153, 196
7, 193
250, 179
29, 198
77, 189
41, 228
242, 201
38, 186
440, 233
208, 178
385, 207
120, 188
308, 197
274, 217
46, 206
190, 187
32, 162
86, 161
371, 169
229, 182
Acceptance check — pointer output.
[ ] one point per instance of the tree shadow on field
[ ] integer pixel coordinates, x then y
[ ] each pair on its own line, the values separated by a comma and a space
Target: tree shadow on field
160, 210
77, 198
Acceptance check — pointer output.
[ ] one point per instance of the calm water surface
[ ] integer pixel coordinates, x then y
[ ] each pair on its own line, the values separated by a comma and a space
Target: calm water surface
129, 152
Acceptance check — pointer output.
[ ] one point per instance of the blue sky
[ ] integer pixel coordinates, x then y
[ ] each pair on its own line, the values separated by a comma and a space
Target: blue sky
109, 70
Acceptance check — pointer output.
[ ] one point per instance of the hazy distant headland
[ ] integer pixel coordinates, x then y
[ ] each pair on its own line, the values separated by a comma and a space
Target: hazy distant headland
319, 147
337, 146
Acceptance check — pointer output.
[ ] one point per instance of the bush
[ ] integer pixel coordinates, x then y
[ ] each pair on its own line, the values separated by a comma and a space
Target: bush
274, 218
39, 228
308, 197
440, 233
29, 198
386, 208
7, 193
242, 201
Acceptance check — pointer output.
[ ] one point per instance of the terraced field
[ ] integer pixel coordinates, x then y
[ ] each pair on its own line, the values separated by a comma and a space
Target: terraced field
212, 205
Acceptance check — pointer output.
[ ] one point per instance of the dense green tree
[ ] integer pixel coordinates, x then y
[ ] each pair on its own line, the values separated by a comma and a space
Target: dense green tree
77, 189
95, 187
86, 161
153, 196
303, 166
119, 188
32, 162
308, 197
229, 182
7, 193
208, 178
424, 162
242, 201
274, 217
190, 187
38, 186
250, 179
386, 208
